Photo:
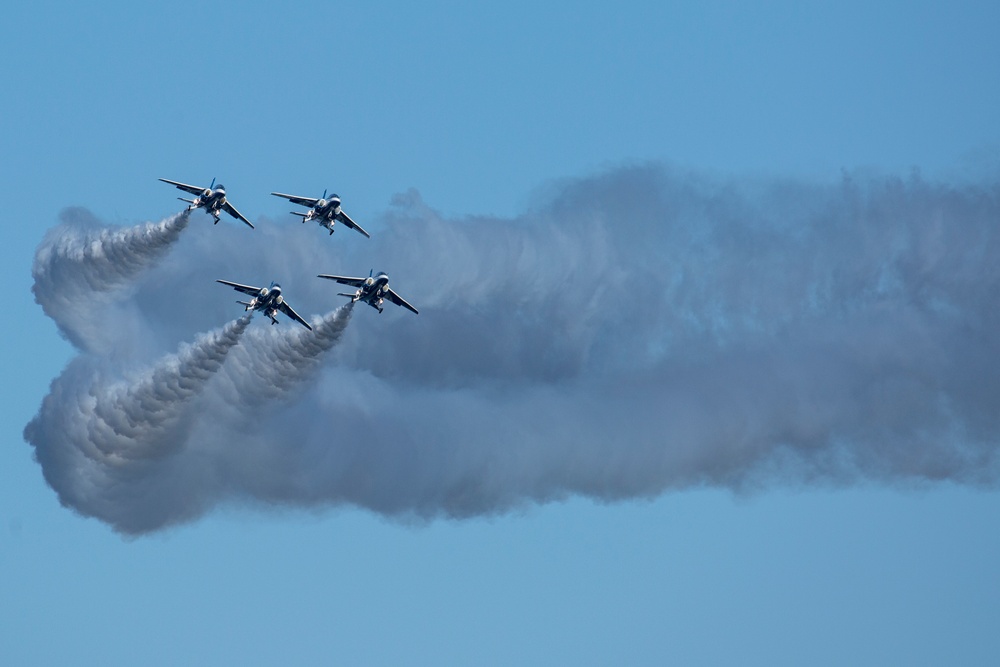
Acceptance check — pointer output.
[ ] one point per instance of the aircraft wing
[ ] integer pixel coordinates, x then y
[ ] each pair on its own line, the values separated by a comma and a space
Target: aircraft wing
346, 219
246, 289
231, 210
399, 301
193, 189
353, 282
287, 310
295, 199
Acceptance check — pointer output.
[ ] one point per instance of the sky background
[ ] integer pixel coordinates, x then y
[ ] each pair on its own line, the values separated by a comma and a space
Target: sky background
482, 110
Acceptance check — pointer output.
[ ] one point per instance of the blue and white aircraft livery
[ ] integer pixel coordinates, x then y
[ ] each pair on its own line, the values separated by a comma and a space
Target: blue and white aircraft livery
212, 199
325, 211
266, 299
372, 290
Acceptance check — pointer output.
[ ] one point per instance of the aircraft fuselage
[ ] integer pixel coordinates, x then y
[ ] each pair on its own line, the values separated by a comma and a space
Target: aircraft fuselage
325, 211
373, 291
211, 200
267, 301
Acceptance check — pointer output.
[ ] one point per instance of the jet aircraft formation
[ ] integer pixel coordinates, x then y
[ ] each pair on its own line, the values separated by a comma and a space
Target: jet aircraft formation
326, 211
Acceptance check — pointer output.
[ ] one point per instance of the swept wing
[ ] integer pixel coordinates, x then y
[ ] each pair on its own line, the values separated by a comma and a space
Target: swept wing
346, 219
193, 189
399, 301
287, 310
353, 282
295, 199
246, 289
231, 210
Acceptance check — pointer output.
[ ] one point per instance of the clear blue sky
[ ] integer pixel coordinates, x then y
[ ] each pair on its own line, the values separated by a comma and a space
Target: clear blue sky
479, 108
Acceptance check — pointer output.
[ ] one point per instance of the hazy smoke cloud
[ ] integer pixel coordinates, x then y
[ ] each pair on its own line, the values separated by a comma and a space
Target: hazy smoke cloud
272, 363
640, 331
80, 262
102, 438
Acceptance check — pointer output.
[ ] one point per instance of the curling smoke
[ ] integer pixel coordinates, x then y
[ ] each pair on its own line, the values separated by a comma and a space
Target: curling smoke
100, 439
271, 363
636, 332
78, 263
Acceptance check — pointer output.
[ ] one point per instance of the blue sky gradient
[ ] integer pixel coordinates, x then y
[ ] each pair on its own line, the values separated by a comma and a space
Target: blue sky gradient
485, 111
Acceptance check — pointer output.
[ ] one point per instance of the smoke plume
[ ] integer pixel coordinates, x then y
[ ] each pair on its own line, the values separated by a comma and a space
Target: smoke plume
79, 263
644, 330
105, 437
271, 364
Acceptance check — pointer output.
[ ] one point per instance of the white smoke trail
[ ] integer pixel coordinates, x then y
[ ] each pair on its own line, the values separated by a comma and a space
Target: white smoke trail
272, 363
636, 332
107, 436
95, 436
78, 262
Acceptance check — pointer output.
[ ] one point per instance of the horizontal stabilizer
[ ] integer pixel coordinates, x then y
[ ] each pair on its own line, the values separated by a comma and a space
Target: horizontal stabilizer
351, 296
190, 201
301, 215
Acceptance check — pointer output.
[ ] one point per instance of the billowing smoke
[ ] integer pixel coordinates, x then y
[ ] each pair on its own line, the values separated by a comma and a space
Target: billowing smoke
271, 364
102, 439
640, 331
80, 262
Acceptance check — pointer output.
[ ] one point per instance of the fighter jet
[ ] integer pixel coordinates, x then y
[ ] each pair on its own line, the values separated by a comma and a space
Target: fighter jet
212, 199
266, 299
324, 211
371, 290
